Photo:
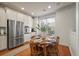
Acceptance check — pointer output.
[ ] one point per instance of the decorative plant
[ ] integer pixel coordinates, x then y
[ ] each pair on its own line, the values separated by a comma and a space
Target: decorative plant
45, 28
42, 28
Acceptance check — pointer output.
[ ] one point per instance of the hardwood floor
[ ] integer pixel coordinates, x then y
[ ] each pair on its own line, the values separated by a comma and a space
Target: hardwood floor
14, 50
63, 51
26, 52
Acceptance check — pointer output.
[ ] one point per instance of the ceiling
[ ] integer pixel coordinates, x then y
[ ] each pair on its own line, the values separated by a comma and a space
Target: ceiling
37, 8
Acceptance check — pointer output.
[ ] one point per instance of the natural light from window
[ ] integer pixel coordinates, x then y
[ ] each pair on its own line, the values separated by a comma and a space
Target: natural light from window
50, 23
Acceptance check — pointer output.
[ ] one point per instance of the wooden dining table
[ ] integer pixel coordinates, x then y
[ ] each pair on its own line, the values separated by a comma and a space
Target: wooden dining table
44, 44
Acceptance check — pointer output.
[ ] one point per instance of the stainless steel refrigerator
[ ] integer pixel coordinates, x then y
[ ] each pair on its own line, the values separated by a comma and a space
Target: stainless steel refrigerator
15, 35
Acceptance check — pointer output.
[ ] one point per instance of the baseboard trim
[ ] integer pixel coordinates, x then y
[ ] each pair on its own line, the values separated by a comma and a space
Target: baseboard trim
3, 49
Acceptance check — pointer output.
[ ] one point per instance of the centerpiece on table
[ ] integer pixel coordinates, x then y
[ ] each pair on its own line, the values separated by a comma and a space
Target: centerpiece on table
44, 29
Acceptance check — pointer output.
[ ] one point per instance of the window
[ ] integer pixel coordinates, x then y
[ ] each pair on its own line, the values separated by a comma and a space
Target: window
50, 22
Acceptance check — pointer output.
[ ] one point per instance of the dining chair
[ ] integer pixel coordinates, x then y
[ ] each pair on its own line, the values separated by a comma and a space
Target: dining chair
33, 46
57, 39
52, 49
42, 49
33, 49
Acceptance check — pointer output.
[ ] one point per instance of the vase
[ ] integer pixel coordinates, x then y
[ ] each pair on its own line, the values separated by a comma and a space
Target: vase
43, 34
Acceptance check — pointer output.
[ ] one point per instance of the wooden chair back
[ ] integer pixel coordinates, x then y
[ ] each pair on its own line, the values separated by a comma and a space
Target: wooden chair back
53, 48
33, 46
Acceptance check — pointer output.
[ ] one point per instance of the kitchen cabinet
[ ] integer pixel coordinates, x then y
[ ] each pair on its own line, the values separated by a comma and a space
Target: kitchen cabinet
3, 42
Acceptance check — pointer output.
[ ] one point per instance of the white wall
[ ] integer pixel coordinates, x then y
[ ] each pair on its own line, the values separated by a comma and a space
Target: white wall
73, 41
75, 35
35, 22
77, 30
66, 26
76, 42
65, 22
